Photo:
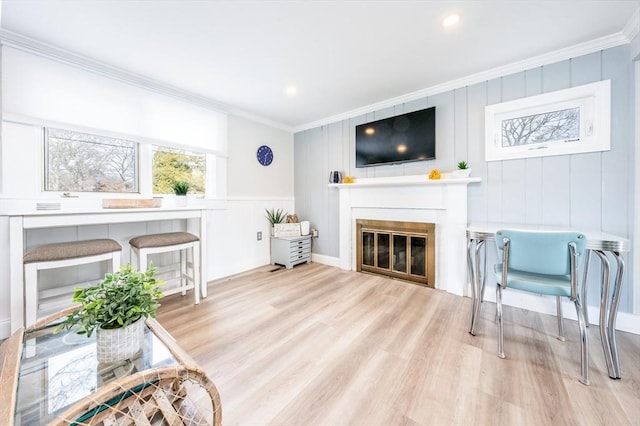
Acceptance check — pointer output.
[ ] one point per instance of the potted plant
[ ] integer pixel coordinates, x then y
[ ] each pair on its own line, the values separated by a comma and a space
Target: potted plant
275, 216
180, 188
116, 309
463, 169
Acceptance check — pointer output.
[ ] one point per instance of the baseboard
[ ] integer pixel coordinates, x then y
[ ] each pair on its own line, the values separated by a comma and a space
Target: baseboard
325, 260
5, 328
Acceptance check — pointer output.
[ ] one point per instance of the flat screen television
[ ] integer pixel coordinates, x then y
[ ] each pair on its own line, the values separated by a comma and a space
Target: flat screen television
399, 139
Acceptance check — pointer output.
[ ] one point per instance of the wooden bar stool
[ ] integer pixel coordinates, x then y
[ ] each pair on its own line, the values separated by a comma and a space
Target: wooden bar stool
145, 245
61, 255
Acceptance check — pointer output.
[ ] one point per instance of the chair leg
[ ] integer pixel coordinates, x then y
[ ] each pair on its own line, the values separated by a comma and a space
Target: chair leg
587, 257
561, 335
584, 343
499, 315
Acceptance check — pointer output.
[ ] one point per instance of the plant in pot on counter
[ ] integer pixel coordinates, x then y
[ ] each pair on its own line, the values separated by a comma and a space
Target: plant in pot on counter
463, 169
116, 309
275, 216
180, 188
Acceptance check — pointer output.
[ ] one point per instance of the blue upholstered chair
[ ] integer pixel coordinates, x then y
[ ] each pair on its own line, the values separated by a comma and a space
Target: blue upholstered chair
542, 263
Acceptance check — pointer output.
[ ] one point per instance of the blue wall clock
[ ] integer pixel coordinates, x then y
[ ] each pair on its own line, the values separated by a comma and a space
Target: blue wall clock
265, 155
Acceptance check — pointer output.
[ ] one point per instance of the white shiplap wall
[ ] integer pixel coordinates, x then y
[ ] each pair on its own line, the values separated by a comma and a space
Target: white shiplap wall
592, 190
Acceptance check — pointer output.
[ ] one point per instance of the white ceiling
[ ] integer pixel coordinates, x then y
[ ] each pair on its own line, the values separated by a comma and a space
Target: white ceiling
341, 55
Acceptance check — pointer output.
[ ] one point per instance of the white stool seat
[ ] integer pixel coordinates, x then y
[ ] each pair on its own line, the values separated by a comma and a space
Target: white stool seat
61, 255
144, 245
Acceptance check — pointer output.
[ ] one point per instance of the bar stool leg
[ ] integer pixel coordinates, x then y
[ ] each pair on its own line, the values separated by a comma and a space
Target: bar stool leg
114, 263
30, 293
183, 271
196, 271
142, 260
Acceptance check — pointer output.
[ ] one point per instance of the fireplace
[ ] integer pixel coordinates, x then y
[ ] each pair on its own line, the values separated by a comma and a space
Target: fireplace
411, 199
404, 250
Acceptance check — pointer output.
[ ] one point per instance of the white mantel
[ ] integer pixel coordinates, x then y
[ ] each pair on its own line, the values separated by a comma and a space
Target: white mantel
411, 199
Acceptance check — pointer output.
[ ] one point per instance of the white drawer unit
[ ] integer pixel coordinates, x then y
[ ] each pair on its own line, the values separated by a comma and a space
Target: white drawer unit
290, 251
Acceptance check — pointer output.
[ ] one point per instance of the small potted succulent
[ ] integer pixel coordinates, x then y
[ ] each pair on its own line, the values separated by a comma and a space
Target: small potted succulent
180, 188
275, 216
463, 170
115, 309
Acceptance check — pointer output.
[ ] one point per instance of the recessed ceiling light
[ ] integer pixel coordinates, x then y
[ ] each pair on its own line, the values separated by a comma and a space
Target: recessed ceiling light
451, 20
291, 90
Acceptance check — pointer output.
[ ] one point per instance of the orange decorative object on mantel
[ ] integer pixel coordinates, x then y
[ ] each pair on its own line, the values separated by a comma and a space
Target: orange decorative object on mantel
348, 179
434, 174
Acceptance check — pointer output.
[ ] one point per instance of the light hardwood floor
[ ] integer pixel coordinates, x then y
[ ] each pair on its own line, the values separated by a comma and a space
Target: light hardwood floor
320, 346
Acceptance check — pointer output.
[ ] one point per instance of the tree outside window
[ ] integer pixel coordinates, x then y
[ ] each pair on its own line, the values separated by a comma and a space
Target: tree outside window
82, 162
538, 128
170, 165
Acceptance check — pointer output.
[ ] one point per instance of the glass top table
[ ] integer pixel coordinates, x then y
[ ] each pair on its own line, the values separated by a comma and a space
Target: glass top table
58, 370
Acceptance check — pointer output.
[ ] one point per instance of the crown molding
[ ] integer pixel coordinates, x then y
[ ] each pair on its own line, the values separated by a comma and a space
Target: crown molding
632, 28
596, 45
45, 50
260, 119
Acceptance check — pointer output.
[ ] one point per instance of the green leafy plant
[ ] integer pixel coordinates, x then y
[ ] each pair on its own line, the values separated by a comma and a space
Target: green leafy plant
180, 187
275, 216
462, 165
119, 300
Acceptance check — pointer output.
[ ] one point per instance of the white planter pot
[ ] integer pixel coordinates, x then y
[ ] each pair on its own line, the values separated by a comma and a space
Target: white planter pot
181, 200
461, 173
119, 343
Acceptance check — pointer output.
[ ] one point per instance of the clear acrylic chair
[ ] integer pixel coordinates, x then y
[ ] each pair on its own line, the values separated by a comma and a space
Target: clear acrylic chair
543, 263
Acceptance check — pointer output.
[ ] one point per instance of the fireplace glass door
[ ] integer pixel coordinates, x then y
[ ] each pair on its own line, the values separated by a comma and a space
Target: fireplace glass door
418, 255
400, 253
399, 249
368, 248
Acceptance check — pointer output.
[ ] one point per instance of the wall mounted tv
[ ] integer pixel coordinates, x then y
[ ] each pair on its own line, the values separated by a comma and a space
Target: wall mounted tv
399, 139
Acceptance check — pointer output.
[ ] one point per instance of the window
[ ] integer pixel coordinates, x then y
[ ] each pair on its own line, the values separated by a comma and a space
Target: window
552, 126
170, 165
82, 162
570, 121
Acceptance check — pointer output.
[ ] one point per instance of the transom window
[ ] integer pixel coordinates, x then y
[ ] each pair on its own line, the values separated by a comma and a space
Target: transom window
171, 165
82, 162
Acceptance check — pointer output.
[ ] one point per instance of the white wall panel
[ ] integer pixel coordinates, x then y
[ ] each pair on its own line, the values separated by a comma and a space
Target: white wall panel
556, 191
445, 132
233, 246
460, 127
616, 163
587, 190
476, 102
534, 177
319, 197
334, 162
513, 86
247, 177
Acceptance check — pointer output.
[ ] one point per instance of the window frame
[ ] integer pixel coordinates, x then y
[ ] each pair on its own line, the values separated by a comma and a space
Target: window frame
145, 161
186, 151
594, 104
45, 161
